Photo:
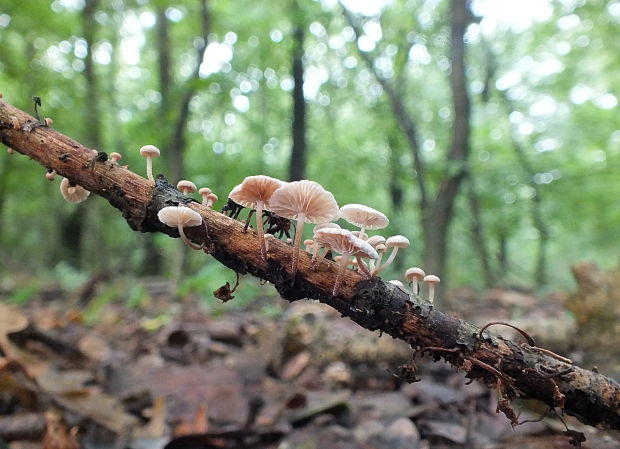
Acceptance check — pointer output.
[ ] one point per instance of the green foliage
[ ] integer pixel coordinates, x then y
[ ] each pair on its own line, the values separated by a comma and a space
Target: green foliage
564, 71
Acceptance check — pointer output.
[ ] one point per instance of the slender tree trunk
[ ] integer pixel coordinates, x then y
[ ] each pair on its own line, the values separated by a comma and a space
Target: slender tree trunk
297, 166
479, 233
438, 216
502, 253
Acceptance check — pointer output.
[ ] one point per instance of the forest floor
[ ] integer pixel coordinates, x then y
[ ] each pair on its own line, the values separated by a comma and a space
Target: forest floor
298, 377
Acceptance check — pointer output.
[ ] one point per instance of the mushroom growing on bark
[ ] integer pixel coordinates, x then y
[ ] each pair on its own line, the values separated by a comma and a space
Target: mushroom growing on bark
363, 217
345, 243
187, 187
395, 242
304, 201
149, 152
256, 192
414, 275
319, 245
181, 217
72, 192
431, 280
204, 193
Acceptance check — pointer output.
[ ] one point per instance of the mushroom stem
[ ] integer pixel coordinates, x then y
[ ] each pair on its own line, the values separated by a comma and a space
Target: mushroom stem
298, 233
259, 229
315, 254
362, 229
431, 292
387, 262
344, 261
362, 267
415, 286
149, 168
187, 241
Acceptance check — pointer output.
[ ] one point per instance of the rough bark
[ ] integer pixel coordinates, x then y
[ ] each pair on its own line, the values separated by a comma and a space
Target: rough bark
515, 370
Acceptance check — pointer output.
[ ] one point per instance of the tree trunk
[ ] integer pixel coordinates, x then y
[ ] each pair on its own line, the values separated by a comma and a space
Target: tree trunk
479, 235
297, 166
438, 216
514, 370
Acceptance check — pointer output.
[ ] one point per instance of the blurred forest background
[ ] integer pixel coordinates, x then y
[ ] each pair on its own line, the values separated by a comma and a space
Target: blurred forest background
499, 160
487, 131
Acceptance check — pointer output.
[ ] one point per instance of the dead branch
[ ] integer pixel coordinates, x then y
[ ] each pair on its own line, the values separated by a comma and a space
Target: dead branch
521, 370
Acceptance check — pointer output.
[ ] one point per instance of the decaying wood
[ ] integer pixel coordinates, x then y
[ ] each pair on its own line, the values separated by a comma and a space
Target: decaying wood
515, 370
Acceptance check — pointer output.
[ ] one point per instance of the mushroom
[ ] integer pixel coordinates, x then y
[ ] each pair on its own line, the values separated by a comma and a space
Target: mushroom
363, 217
397, 283
345, 243
256, 192
10, 150
187, 187
204, 193
268, 238
181, 217
304, 201
395, 242
149, 152
211, 199
414, 275
431, 280
115, 157
309, 244
377, 241
48, 121
15, 122
50, 174
72, 192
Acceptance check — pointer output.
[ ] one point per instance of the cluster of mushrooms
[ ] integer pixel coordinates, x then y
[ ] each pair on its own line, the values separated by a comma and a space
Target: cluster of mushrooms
303, 201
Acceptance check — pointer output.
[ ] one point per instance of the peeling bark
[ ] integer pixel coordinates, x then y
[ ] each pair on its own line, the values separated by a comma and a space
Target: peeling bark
515, 370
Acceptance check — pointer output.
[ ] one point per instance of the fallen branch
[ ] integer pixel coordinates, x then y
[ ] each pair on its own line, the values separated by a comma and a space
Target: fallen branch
516, 370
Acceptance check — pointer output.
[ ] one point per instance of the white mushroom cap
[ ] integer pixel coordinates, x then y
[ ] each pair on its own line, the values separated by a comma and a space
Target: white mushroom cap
73, 194
149, 151
344, 242
186, 186
204, 191
431, 279
363, 217
307, 198
376, 240
415, 273
179, 216
326, 225
399, 241
254, 189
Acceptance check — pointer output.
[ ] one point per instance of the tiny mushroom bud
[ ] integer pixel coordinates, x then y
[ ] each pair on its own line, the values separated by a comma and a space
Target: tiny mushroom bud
431, 280
115, 157
10, 150
395, 242
48, 122
397, 283
187, 187
319, 245
204, 192
211, 199
363, 217
414, 275
309, 244
304, 201
256, 192
268, 238
73, 193
50, 175
15, 122
181, 217
149, 152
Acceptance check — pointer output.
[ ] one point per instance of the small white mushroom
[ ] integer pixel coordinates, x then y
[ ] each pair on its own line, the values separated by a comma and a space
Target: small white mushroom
15, 122
431, 280
115, 157
181, 217
414, 275
268, 238
204, 193
211, 199
363, 217
73, 193
50, 175
187, 187
395, 242
48, 122
149, 152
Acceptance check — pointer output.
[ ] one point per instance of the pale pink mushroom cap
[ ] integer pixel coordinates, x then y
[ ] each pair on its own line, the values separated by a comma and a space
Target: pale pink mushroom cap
363, 217
254, 189
73, 194
415, 273
307, 198
344, 242
179, 216
186, 186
